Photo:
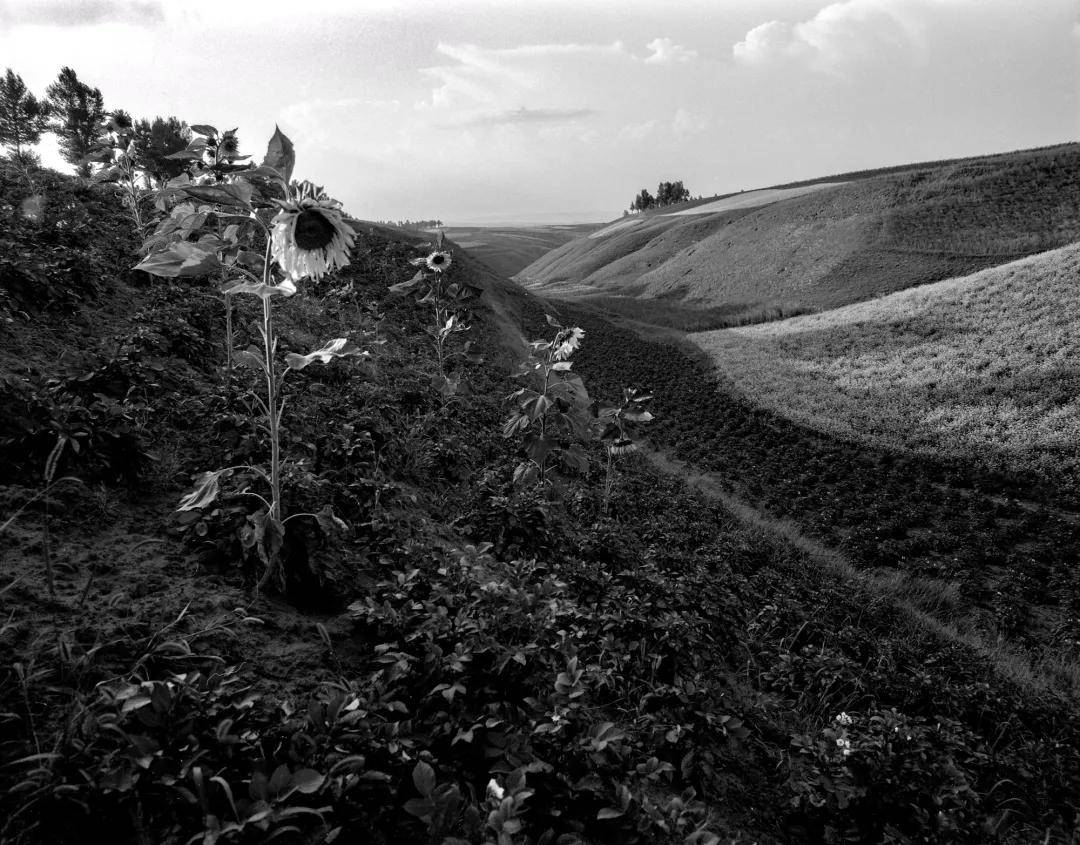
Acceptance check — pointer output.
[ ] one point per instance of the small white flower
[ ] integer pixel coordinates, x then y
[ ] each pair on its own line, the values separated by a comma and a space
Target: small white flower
844, 744
495, 791
843, 719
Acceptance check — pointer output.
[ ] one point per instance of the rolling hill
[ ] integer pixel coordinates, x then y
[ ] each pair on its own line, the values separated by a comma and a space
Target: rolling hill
976, 366
795, 249
509, 249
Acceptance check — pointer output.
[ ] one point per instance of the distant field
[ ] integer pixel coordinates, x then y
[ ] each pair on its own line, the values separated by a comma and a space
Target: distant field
984, 366
507, 250
837, 244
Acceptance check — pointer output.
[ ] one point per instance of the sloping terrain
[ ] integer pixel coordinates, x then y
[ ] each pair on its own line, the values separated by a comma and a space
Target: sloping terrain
861, 239
508, 249
466, 661
983, 367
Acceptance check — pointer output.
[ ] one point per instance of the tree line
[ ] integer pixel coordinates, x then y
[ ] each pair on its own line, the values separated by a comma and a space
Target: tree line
75, 113
667, 193
413, 224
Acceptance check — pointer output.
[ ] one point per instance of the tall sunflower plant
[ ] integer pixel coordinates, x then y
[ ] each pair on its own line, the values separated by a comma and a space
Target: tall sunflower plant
448, 300
302, 235
617, 429
120, 165
552, 412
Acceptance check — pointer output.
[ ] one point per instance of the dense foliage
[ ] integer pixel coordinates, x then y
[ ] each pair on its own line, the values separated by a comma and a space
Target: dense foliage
473, 661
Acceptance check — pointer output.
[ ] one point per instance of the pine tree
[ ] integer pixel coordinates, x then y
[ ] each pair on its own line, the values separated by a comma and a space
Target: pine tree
78, 111
23, 117
154, 141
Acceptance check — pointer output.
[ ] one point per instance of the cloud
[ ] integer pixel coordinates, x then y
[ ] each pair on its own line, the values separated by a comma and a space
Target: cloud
841, 37
503, 78
523, 115
686, 122
667, 52
80, 12
638, 131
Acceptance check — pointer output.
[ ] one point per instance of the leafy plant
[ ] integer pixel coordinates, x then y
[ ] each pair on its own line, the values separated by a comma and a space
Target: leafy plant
449, 313
552, 417
306, 237
616, 427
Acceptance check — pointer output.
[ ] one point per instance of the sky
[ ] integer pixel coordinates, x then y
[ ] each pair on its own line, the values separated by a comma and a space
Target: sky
533, 111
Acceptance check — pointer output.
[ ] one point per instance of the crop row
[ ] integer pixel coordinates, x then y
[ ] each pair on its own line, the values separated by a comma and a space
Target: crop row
1000, 537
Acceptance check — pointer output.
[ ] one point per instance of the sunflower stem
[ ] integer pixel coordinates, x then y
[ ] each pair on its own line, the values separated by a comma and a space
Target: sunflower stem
273, 419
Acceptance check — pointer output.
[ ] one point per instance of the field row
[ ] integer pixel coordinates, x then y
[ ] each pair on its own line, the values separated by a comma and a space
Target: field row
1005, 540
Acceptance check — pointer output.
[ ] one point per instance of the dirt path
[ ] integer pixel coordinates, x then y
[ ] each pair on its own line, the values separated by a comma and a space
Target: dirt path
927, 604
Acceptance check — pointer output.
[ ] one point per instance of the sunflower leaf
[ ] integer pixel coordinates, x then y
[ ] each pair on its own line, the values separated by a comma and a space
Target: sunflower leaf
206, 490
340, 347
235, 194
280, 154
286, 288
180, 260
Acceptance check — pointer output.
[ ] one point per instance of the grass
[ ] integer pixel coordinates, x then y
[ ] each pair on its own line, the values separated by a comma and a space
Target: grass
981, 367
846, 243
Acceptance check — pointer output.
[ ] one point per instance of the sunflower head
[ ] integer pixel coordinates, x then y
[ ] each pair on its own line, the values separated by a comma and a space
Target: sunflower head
229, 145
622, 445
566, 341
309, 236
438, 261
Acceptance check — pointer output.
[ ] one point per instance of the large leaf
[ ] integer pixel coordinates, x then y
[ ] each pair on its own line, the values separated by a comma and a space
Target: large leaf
340, 347
423, 777
280, 154
185, 155
180, 260
286, 288
206, 490
204, 129
409, 286
234, 194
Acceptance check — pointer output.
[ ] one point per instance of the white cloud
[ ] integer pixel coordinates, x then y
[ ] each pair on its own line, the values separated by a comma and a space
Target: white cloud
68, 13
667, 52
638, 131
686, 122
842, 36
513, 77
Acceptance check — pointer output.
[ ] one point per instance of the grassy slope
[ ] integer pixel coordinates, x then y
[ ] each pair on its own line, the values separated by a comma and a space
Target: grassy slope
704, 649
866, 238
981, 366
506, 250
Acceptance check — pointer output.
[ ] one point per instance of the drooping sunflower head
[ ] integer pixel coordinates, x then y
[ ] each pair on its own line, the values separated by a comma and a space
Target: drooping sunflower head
438, 261
622, 445
566, 341
309, 236
228, 146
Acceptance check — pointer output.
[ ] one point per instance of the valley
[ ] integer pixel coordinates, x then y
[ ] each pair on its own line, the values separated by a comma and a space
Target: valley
832, 596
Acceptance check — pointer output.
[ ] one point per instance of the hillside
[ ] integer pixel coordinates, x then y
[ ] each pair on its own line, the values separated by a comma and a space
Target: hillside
463, 659
981, 367
508, 249
830, 245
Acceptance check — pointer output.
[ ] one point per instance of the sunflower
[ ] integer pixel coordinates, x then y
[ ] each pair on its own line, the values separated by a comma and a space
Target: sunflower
566, 341
309, 236
438, 261
622, 445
